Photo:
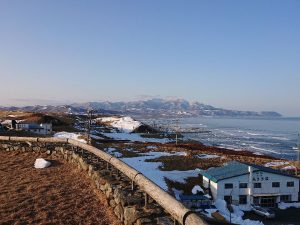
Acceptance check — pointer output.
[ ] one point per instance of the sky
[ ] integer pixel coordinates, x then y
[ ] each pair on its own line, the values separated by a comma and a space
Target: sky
232, 54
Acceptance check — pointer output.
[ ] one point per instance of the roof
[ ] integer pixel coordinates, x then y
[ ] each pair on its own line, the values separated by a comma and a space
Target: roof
193, 197
32, 126
235, 168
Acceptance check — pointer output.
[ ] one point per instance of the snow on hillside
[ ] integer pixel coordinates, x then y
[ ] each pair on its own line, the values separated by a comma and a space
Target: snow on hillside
275, 164
289, 168
125, 124
70, 136
152, 171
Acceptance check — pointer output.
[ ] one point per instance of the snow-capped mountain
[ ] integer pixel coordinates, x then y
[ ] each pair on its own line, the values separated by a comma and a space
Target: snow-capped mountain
155, 107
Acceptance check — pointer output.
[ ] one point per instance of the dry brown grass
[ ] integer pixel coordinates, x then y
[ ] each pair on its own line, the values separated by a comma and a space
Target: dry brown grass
55, 195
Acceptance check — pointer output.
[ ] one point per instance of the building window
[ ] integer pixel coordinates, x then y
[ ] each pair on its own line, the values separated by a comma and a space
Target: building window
228, 199
257, 185
290, 184
243, 199
275, 184
228, 186
285, 198
243, 185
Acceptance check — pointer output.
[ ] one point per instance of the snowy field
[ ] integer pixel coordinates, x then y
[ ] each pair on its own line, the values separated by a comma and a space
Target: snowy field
124, 124
151, 169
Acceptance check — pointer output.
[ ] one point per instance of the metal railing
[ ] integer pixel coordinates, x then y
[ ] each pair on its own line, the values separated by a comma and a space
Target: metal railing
175, 208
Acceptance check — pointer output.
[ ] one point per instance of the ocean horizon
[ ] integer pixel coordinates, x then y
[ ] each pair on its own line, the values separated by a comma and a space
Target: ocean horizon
277, 137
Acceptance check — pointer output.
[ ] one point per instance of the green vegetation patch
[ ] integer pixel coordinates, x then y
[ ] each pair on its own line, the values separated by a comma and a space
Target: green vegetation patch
170, 163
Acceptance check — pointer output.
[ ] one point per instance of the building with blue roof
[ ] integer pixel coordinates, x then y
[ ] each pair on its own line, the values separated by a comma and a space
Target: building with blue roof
245, 184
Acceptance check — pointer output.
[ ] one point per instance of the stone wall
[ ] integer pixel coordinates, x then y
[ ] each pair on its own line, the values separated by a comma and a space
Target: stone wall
130, 204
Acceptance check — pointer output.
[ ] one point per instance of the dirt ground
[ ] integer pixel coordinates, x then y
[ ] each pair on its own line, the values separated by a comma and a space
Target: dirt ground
55, 195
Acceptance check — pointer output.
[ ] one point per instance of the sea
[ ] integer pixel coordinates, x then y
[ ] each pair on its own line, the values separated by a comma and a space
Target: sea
278, 137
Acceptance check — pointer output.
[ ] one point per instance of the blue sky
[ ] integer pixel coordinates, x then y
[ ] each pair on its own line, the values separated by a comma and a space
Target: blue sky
232, 54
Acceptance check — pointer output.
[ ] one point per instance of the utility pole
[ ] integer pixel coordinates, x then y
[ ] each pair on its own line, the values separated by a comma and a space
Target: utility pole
89, 125
176, 130
298, 148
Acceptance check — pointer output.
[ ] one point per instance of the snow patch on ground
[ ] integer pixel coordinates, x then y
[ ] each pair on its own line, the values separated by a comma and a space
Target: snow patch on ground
289, 168
118, 154
135, 137
41, 163
114, 152
151, 147
283, 205
70, 136
125, 124
110, 150
275, 164
210, 211
197, 189
96, 137
179, 153
205, 156
177, 193
8, 122
236, 216
257, 153
151, 169
207, 196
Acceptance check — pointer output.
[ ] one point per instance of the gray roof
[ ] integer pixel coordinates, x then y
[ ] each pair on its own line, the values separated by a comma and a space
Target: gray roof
234, 169
193, 197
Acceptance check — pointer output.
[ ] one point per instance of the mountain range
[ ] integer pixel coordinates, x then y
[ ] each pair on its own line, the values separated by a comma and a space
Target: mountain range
156, 107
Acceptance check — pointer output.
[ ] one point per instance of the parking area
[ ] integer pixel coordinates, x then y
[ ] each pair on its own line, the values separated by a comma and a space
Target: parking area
289, 216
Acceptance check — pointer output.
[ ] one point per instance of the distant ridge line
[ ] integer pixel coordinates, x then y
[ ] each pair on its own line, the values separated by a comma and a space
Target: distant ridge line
157, 107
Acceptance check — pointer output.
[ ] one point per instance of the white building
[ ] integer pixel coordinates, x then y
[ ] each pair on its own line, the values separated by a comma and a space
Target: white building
245, 184
43, 128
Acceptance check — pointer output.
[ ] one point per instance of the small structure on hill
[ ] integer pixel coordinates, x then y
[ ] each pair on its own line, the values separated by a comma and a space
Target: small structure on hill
9, 124
144, 128
43, 128
245, 184
13, 124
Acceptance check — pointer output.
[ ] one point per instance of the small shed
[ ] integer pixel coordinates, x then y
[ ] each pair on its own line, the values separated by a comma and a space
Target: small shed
196, 201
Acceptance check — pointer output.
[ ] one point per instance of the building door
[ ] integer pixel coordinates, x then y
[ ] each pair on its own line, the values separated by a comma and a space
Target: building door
269, 202
256, 201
